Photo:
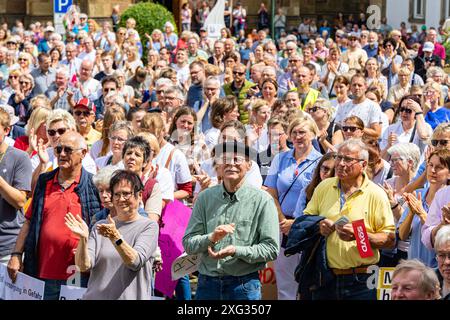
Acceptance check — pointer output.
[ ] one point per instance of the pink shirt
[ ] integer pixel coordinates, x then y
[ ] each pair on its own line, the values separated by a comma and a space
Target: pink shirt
439, 50
434, 217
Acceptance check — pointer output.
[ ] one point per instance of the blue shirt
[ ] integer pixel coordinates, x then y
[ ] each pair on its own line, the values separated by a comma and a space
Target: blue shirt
417, 249
371, 52
282, 173
439, 116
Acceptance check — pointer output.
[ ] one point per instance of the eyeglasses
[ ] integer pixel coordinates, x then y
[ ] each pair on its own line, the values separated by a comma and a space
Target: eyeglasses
159, 91
211, 89
230, 160
394, 160
443, 142
347, 160
409, 111
109, 89
298, 133
67, 150
84, 113
350, 128
238, 73
124, 195
119, 139
325, 169
60, 131
313, 109
442, 256
293, 60
24, 82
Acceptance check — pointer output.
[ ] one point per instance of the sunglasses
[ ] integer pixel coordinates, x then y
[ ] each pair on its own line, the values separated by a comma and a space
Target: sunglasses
84, 113
238, 73
313, 109
408, 111
22, 59
439, 142
13, 77
350, 129
60, 131
24, 82
66, 149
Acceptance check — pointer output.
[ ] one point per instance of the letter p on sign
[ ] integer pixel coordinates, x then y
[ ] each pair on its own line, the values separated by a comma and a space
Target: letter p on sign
61, 6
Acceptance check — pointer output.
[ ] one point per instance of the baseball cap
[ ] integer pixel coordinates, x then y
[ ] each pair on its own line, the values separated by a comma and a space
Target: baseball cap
428, 46
354, 35
85, 103
203, 29
13, 118
409, 30
49, 29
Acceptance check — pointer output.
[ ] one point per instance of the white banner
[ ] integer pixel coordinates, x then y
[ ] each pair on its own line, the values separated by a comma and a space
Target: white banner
71, 293
184, 265
25, 287
215, 20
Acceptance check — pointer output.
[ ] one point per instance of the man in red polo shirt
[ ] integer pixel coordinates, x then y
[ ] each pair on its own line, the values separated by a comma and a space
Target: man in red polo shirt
48, 244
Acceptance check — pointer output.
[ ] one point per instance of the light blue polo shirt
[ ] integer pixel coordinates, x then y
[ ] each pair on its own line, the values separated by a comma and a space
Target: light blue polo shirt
282, 173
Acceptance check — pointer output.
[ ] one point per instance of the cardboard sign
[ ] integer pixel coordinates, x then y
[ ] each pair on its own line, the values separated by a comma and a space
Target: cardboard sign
25, 287
384, 286
184, 264
362, 239
269, 289
71, 293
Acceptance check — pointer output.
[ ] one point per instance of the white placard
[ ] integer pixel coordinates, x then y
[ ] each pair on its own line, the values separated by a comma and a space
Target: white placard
184, 265
71, 293
25, 287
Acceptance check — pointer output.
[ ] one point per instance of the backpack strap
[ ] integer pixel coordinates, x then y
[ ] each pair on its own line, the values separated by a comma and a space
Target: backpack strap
169, 159
148, 189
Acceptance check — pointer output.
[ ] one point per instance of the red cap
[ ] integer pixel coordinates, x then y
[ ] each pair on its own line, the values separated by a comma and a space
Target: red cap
85, 103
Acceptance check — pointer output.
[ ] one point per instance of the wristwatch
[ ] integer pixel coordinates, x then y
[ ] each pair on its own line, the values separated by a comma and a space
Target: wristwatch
118, 242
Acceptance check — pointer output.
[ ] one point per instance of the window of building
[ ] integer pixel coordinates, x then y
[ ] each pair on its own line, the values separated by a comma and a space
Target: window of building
417, 11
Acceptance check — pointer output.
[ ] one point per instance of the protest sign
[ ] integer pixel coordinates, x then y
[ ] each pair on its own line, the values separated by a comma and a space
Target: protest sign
25, 287
71, 293
184, 264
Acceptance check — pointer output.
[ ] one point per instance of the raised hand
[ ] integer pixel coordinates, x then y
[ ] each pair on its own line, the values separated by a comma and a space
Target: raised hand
33, 140
390, 193
415, 205
221, 231
108, 230
77, 225
42, 152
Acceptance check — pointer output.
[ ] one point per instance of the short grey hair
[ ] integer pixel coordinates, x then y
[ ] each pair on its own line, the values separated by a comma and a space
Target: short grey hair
428, 281
163, 82
178, 93
442, 237
63, 70
122, 125
214, 80
408, 150
354, 144
103, 176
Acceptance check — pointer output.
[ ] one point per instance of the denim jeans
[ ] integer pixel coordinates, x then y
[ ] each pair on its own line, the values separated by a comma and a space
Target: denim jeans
246, 287
53, 287
183, 289
346, 287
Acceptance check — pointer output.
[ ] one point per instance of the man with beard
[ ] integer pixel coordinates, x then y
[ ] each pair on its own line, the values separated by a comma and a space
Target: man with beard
195, 92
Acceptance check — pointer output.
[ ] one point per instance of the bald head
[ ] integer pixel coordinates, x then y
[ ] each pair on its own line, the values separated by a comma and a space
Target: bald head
86, 70
70, 151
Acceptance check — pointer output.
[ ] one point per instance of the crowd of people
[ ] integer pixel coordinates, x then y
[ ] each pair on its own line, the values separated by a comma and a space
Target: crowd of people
275, 146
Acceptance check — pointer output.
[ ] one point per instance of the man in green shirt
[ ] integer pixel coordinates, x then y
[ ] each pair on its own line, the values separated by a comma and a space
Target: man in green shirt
235, 229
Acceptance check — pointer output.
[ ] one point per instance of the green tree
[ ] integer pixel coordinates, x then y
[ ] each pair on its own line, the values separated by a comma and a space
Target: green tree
148, 16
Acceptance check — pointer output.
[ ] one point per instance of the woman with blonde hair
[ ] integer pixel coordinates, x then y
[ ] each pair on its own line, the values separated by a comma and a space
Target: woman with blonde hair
12, 85
256, 131
433, 109
36, 129
131, 61
101, 147
20, 99
330, 133
25, 62
373, 75
289, 173
155, 40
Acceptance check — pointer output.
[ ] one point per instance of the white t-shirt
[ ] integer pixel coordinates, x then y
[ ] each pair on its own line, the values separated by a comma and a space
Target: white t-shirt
252, 177
102, 162
262, 142
212, 137
88, 163
368, 111
164, 178
91, 88
96, 148
183, 73
404, 137
178, 166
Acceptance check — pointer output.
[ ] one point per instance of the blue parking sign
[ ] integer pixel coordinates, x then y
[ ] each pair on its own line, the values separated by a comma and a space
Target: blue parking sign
61, 6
